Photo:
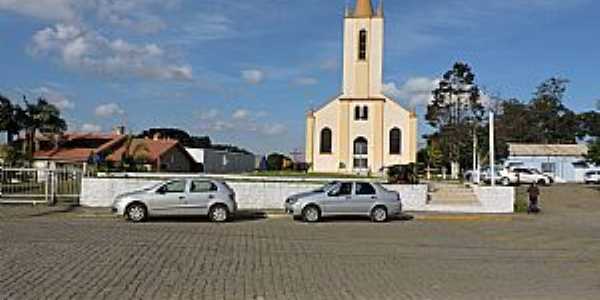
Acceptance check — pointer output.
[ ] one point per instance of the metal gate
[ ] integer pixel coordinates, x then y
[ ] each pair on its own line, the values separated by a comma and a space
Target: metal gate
40, 186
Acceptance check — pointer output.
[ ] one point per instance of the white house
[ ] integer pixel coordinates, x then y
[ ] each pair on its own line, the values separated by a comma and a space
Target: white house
566, 163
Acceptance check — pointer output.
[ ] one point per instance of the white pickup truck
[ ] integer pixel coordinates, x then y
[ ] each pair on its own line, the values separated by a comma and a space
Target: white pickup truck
519, 176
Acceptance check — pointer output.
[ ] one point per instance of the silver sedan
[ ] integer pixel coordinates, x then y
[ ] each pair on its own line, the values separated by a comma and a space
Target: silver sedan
345, 198
179, 197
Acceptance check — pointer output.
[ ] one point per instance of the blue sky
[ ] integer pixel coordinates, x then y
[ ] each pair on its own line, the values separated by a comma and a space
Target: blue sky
245, 72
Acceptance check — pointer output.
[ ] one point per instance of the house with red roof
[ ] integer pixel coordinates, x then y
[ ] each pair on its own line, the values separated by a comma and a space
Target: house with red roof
155, 155
113, 150
74, 149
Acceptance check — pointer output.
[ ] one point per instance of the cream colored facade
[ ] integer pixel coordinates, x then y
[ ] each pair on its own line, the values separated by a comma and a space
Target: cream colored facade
361, 130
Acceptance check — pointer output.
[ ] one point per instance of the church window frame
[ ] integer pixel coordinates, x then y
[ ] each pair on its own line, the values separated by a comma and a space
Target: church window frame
325, 142
362, 44
361, 153
395, 138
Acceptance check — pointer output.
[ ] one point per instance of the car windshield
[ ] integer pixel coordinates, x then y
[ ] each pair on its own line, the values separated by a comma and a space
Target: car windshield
326, 187
535, 171
152, 187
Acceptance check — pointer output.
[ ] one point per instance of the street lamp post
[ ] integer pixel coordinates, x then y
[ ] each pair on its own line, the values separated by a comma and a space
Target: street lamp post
492, 151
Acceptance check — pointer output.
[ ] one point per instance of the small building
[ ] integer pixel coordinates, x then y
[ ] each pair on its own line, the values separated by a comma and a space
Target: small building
156, 155
213, 161
566, 163
73, 150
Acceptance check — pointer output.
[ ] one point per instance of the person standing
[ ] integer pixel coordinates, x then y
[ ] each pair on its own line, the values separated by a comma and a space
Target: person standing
534, 195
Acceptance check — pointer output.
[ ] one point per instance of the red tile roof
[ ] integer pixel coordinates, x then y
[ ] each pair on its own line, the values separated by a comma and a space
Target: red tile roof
67, 155
80, 154
152, 149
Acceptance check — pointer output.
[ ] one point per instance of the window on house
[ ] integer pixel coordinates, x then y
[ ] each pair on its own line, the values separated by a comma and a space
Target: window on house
365, 113
395, 141
362, 45
326, 141
548, 167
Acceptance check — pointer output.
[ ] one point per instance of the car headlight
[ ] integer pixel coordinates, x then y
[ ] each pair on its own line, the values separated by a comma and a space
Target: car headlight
291, 201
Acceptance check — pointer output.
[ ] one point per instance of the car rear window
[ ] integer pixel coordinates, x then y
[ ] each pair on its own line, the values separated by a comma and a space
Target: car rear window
363, 188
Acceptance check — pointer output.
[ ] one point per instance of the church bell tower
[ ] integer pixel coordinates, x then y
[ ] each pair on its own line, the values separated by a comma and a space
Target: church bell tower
363, 51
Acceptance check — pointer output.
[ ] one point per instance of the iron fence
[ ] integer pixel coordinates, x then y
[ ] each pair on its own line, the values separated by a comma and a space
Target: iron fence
40, 185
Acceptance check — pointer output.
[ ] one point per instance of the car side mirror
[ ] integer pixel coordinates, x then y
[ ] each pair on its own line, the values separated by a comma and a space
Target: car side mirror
161, 191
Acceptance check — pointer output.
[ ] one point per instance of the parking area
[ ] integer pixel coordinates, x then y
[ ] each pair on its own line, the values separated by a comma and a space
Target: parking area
70, 253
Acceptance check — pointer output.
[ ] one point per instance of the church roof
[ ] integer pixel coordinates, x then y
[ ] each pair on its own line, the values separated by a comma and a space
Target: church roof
363, 9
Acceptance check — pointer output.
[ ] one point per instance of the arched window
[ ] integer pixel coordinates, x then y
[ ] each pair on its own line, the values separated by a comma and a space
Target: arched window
361, 151
357, 115
395, 141
362, 45
326, 141
365, 113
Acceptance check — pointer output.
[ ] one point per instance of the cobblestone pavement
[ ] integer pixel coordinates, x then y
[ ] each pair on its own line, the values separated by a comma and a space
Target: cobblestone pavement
552, 256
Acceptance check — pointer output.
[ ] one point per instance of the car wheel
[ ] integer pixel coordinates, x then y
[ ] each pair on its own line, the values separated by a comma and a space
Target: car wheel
379, 214
505, 181
542, 182
218, 213
311, 214
137, 212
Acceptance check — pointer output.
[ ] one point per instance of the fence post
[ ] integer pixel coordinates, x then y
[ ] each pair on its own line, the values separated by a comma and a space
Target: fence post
46, 187
52, 187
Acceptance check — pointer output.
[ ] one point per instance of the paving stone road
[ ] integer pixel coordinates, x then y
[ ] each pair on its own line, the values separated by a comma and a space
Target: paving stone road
61, 255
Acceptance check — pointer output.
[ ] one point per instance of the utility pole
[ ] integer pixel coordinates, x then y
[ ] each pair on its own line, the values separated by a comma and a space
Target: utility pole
492, 150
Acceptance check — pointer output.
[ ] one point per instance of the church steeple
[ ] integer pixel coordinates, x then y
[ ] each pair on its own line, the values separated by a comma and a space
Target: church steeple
380, 9
363, 9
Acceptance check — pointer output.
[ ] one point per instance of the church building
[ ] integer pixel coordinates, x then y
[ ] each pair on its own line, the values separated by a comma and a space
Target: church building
361, 130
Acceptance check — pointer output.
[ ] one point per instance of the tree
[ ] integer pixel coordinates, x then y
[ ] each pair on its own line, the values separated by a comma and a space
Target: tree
589, 124
41, 117
552, 122
8, 118
276, 161
456, 112
594, 152
134, 155
431, 157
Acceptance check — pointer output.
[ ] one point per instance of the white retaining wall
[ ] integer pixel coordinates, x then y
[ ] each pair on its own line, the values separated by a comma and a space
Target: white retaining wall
100, 192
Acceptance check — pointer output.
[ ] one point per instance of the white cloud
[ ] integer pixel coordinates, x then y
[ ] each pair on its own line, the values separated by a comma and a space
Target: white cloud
414, 92
54, 10
208, 26
89, 51
54, 97
88, 127
241, 121
253, 76
274, 129
138, 15
241, 114
108, 110
209, 114
305, 81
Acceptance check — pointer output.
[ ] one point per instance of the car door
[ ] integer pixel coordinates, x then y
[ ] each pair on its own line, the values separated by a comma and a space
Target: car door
201, 192
337, 201
168, 198
365, 195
